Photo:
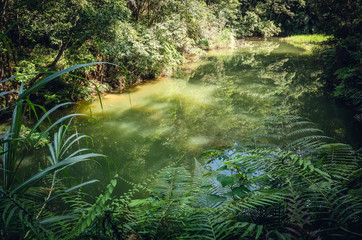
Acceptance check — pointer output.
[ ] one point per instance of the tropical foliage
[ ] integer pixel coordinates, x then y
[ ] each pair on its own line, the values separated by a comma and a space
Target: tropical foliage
239, 194
290, 182
302, 187
342, 71
25, 202
146, 38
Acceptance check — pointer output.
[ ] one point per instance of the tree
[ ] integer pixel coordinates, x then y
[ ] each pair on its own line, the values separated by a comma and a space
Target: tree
338, 17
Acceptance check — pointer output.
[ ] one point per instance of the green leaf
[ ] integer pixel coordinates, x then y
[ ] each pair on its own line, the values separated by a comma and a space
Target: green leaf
10, 216
259, 230
300, 162
225, 180
56, 219
249, 229
46, 115
114, 182
4, 93
5, 211
240, 191
311, 167
54, 124
71, 189
224, 167
215, 199
60, 165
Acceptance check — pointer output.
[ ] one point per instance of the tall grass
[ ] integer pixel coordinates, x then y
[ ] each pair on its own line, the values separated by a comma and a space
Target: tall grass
18, 201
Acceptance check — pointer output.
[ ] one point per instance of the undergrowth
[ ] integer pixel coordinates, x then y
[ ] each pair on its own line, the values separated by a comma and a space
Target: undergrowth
307, 191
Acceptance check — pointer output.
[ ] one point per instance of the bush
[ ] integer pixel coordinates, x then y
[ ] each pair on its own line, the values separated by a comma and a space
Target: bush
251, 24
342, 68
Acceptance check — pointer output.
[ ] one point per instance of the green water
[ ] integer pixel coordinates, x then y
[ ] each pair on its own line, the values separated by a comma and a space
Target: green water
213, 103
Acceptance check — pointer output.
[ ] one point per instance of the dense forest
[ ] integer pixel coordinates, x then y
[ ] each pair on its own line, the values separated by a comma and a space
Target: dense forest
290, 182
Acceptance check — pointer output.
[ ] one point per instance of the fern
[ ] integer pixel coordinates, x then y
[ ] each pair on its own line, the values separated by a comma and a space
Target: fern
289, 133
169, 194
253, 194
210, 224
299, 217
89, 216
315, 179
338, 159
20, 212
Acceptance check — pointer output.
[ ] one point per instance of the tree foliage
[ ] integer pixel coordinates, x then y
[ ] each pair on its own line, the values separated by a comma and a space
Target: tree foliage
299, 187
146, 38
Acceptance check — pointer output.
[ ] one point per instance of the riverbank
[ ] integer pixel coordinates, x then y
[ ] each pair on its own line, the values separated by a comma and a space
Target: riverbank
312, 43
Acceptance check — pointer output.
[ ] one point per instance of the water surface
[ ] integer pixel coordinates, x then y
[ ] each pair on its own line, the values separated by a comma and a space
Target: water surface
210, 104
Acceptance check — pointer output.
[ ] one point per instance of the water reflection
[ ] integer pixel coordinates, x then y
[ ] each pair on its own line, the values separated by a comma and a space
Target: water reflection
209, 105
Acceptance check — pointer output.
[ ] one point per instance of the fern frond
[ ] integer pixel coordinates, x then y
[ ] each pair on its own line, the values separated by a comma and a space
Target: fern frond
97, 209
290, 133
21, 211
208, 224
172, 183
299, 217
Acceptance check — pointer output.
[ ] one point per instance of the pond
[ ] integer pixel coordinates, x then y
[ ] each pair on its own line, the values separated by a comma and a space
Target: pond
211, 104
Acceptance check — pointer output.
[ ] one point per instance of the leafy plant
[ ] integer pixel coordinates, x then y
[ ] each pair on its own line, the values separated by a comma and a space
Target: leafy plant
21, 198
239, 194
289, 133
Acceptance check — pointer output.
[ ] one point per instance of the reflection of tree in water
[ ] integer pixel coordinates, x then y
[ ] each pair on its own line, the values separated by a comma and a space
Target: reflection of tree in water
260, 81
264, 48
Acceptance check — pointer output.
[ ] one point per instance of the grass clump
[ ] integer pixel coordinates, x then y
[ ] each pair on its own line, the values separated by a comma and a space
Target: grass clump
310, 43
